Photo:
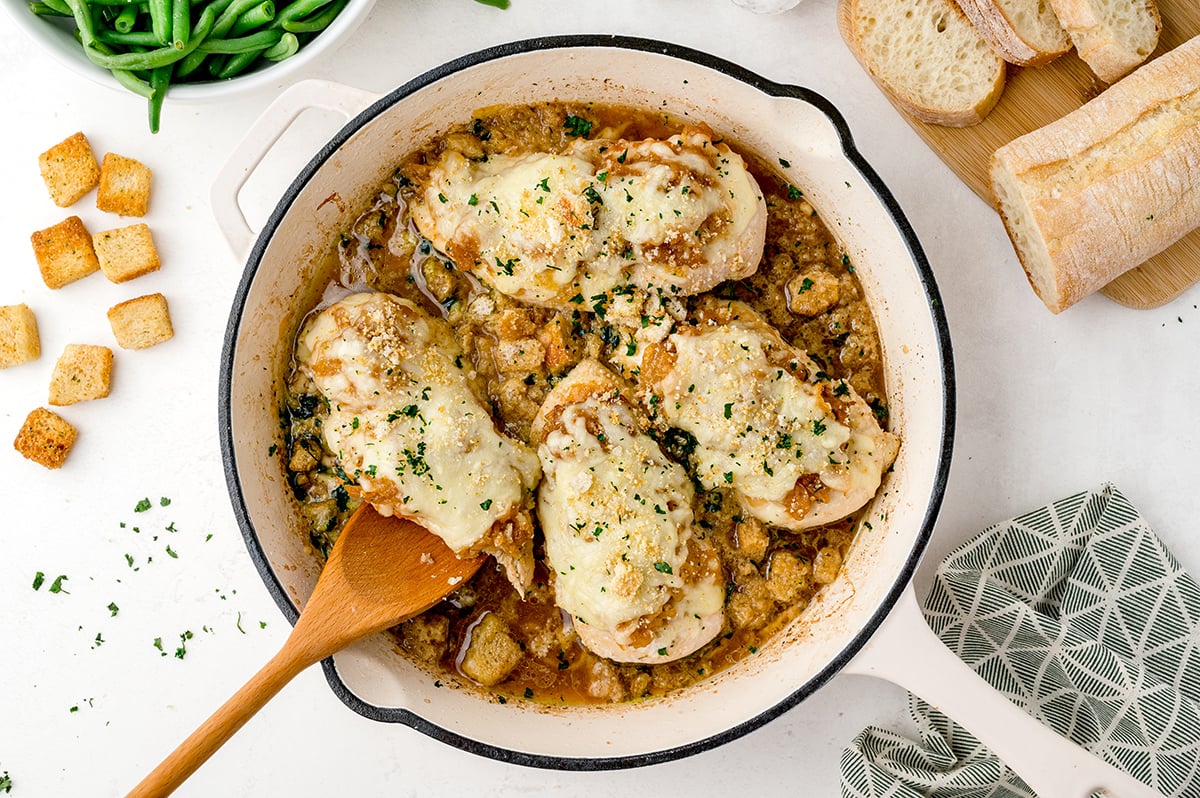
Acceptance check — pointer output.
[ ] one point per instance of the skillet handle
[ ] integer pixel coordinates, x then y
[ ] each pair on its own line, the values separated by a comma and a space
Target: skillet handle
906, 652
262, 137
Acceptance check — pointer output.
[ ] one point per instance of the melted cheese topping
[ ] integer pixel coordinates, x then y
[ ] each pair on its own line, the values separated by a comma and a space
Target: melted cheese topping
679, 215
617, 518
757, 427
765, 431
406, 425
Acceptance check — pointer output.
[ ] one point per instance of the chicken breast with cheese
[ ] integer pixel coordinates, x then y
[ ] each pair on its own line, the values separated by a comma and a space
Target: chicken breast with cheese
407, 427
677, 215
617, 518
798, 449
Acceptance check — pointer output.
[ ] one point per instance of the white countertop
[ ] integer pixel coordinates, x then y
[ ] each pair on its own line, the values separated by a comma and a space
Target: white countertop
1046, 406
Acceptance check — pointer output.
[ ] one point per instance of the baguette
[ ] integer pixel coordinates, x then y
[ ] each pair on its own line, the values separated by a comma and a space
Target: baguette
1096, 193
1112, 37
1024, 32
926, 56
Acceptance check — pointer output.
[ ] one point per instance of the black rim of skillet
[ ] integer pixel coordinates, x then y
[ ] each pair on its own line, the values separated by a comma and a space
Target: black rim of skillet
936, 310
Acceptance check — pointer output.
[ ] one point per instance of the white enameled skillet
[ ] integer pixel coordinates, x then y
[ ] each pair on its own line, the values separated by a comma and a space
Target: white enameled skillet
868, 621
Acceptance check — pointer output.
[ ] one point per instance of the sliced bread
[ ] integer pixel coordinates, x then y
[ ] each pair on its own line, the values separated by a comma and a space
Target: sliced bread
926, 56
1108, 186
1024, 32
1111, 36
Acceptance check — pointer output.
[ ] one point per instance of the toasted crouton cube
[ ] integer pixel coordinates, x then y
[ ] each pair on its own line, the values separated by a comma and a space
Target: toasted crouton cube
124, 186
425, 637
141, 322
492, 653
126, 252
789, 577
64, 252
45, 438
69, 169
19, 341
83, 372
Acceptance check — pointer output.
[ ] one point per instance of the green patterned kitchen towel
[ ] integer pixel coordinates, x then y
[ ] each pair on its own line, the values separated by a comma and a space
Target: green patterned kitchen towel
1080, 615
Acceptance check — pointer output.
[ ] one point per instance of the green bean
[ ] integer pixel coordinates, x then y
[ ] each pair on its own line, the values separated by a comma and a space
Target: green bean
137, 38
126, 19
181, 23
160, 20
47, 10
254, 17
160, 79
236, 65
287, 47
255, 42
229, 11
83, 22
317, 22
301, 8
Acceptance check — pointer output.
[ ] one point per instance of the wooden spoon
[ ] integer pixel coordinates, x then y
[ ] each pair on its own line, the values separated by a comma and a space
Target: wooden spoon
380, 572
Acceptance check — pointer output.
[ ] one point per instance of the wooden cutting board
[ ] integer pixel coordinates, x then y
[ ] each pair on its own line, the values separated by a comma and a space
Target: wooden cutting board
1035, 96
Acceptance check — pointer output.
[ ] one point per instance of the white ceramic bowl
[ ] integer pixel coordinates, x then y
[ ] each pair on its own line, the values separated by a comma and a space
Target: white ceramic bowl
776, 121
55, 35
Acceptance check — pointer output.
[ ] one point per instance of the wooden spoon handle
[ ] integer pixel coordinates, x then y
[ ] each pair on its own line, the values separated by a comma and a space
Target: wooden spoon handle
222, 724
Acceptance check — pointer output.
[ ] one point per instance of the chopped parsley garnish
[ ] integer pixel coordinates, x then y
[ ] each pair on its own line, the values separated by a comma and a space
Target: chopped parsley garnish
544, 184
818, 427
473, 200
784, 163
56, 585
577, 126
38, 579
142, 506
486, 504
593, 196
113, 609
805, 285
794, 193
442, 198
663, 567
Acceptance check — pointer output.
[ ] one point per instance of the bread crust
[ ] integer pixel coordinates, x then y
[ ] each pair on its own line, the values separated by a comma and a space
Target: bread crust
1108, 56
1098, 192
998, 30
901, 88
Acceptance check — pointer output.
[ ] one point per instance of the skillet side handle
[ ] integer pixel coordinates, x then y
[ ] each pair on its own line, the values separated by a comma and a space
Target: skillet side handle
906, 652
262, 137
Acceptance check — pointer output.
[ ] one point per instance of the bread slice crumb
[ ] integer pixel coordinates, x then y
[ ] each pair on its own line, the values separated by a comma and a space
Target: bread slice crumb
124, 186
83, 372
69, 169
19, 340
126, 252
64, 252
926, 56
141, 322
45, 438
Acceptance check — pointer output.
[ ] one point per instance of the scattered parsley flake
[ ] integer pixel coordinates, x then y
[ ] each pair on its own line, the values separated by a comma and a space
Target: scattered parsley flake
38, 579
113, 609
56, 585
663, 567
142, 506
577, 126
